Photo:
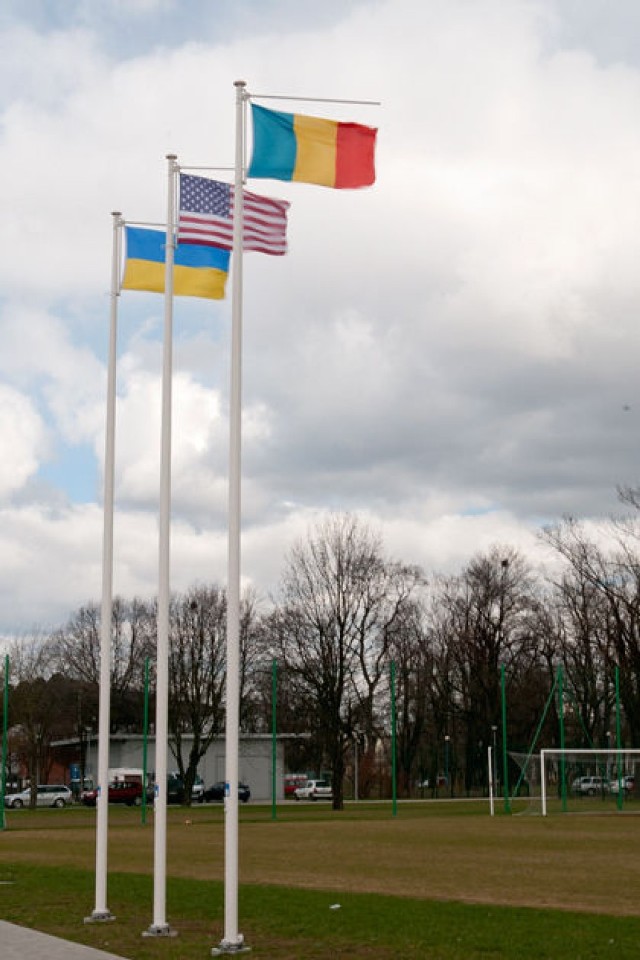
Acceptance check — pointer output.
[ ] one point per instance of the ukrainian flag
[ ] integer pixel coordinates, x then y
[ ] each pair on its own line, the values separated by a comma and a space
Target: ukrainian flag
291, 146
198, 271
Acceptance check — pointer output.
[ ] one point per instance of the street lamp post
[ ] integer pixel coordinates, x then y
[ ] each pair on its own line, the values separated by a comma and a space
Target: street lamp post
505, 766
446, 762
356, 735
494, 762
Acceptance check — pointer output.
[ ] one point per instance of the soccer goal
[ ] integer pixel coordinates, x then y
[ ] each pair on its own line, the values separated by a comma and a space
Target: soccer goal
583, 778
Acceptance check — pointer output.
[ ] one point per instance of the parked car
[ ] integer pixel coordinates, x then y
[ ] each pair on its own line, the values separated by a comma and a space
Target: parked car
197, 791
440, 781
589, 786
314, 790
215, 793
47, 795
292, 781
175, 789
628, 783
120, 791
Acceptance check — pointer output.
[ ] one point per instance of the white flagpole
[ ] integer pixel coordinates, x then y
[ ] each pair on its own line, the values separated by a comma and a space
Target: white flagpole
233, 942
160, 927
101, 911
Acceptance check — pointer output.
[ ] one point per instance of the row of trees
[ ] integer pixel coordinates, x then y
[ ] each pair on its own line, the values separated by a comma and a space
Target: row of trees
343, 614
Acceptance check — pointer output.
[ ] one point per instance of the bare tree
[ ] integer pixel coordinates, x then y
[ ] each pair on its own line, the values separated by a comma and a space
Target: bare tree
340, 601
414, 658
601, 593
197, 671
487, 607
253, 666
38, 706
77, 649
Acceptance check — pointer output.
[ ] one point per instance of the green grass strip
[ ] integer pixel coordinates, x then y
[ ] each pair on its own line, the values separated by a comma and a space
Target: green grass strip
301, 924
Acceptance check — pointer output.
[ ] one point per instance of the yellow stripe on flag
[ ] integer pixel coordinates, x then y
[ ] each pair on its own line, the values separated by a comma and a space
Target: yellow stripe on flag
315, 150
143, 275
187, 281
199, 282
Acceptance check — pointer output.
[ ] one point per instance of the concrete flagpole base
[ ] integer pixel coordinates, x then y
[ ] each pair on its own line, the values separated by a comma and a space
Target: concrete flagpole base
163, 930
100, 916
227, 948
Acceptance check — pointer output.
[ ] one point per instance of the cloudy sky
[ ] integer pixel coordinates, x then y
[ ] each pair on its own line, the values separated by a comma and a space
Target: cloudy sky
453, 353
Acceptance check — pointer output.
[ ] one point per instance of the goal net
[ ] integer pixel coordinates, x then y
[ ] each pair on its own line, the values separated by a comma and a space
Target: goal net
527, 787
588, 780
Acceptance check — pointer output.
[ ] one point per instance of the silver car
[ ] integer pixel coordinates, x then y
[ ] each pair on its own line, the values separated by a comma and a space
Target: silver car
314, 790
47, 795
590, 786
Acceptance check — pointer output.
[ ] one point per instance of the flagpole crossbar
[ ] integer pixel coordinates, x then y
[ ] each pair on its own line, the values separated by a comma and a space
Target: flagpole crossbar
275, 96
186, 166
144, 223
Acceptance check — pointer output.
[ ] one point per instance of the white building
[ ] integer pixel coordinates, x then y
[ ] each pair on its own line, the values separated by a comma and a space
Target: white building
255, 759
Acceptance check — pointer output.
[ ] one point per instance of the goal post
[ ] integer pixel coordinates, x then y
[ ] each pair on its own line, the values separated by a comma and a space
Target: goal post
609, 772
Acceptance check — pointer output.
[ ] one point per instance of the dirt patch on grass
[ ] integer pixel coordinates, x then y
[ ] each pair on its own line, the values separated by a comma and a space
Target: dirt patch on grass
575, 863
591, 867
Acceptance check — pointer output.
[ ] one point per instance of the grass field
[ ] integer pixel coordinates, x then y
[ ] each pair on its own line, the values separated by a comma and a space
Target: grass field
439, 880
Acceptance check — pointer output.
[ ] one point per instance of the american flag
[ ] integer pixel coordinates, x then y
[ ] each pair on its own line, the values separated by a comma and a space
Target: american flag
206, 217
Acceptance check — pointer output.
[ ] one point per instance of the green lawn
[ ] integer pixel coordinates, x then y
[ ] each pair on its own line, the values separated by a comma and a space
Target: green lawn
440, 880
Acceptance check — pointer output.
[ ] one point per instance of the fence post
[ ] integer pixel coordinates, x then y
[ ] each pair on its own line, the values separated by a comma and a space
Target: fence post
505, 759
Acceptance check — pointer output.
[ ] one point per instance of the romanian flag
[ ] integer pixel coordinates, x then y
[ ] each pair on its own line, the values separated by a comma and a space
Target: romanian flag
197, 271
290, 146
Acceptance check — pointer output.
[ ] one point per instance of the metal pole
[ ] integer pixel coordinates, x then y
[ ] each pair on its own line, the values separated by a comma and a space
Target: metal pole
393, 740
505, 759
233, 940
274, 738
5, 742
159, 927
446, 763
563, 776
491, 775
494, 757
101, 912
145, 739
619, 798
356, 777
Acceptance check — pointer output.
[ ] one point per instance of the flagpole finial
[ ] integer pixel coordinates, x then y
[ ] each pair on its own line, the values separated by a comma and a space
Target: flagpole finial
239, 83
172, 156
116, 213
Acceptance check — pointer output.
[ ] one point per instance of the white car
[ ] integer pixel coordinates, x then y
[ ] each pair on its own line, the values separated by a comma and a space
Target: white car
590, 786
47, 795
628, 784
197, 791
314, 790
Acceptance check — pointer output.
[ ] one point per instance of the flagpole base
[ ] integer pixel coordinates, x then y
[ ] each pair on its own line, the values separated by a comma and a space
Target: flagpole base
228, 948
160, 930
100, 916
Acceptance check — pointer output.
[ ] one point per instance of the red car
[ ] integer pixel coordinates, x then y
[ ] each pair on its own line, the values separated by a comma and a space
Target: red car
120, 791
291, 783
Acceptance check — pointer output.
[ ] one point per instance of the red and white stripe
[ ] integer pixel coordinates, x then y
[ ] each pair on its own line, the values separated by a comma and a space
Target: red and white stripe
264, 227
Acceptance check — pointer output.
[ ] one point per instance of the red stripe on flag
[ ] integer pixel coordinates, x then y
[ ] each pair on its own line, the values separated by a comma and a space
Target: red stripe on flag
264, 226
355, 155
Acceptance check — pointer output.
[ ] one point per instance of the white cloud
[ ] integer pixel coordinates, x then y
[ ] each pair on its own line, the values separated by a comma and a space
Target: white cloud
38, 353
24, 440
44, 69
452, 352
50, 564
